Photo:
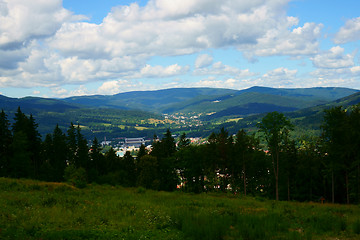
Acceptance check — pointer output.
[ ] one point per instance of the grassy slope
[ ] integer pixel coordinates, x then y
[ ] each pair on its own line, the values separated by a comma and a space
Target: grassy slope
38, 210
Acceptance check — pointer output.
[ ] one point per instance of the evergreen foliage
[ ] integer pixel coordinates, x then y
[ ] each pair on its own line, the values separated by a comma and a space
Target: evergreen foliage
279, 167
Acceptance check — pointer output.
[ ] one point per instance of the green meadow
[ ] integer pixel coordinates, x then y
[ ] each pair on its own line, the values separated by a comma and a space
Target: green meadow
32, 209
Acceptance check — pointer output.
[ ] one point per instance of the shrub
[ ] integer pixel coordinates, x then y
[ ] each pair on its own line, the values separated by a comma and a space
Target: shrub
75, 176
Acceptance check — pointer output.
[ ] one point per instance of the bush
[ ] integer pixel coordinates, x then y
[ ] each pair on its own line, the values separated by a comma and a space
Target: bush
356, 226
75, 176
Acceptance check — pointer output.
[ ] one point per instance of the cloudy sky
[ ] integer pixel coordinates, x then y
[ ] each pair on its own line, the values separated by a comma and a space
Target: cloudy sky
54, 48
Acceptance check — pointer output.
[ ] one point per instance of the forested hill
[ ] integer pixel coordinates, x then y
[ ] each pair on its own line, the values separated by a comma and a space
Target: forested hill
119, 115
210, 100
147, 100
35, 104
305, 120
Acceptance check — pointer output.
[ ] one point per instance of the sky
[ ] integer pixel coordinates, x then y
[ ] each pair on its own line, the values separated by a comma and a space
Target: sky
54, 48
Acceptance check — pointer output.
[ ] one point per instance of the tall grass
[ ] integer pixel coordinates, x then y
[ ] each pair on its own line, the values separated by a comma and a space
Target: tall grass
39, 210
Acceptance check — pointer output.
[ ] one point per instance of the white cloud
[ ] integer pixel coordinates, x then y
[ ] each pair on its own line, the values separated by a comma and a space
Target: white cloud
23, 21
43, 44
355, 70
173, 27
218, 83
280, 41
348, 33
160, 72
203, 60
279, 77
114, 87
219, 68
334, 58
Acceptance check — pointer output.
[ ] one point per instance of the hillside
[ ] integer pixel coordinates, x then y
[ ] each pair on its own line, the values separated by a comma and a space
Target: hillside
209, 100
42, 210
305, 120
119, 115
35, 104
98, 122
147, 100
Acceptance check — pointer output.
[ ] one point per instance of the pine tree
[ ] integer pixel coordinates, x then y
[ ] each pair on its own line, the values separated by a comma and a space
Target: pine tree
183, 141
82, 150
164, 151
275, 127
128, 166
20, 164
5, 141
96, 160
142, 152
71, 144
34, 138
60, 149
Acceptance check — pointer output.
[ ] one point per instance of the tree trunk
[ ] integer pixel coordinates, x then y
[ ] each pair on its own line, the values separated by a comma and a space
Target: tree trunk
332, 186
277, 176
347, 187
288, 185
358, 184
244, 179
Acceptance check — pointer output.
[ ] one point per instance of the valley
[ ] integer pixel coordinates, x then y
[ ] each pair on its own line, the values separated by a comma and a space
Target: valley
195, 111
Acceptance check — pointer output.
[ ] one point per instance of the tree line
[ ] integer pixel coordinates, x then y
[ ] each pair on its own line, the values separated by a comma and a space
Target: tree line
268, 163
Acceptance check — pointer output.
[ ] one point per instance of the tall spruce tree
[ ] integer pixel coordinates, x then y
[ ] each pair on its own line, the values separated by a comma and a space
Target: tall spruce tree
5, 141
71, 144
60, 149
82, 150
20, 163
27, 129
164, 151
275, 127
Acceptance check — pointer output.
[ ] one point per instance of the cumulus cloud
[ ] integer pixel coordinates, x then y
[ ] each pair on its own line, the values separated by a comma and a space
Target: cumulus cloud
334, 58
115, 86
160, 72
219, 68
214, 82
279, 77
280, 41
63, 50
169, 28
24, 21
203, 60
348, 33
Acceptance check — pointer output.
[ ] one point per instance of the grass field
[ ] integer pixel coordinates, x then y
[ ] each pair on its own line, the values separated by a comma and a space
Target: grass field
39, 210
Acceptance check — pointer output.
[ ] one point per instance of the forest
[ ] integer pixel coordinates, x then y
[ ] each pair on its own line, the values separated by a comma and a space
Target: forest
269, 163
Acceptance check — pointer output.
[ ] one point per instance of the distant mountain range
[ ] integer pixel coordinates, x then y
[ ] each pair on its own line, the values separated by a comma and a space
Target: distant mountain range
304, 105
200, 100
222, 101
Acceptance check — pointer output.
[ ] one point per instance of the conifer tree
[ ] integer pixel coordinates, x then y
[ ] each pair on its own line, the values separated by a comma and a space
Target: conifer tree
82, 150
27, 129
60, 149
71, 144
20, 163
128, 166
96, 160
164, 151
275, 127
5, 141
142, 152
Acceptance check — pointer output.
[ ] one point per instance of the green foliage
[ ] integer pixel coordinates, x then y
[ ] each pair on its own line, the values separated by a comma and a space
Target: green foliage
39, 210
75, 176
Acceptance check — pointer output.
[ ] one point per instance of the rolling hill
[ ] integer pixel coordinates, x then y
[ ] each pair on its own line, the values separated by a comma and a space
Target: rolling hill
152, 101
305, 120
224, 102
137, 113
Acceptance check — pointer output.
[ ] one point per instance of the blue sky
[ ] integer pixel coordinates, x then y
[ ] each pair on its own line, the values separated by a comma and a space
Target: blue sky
63, 48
